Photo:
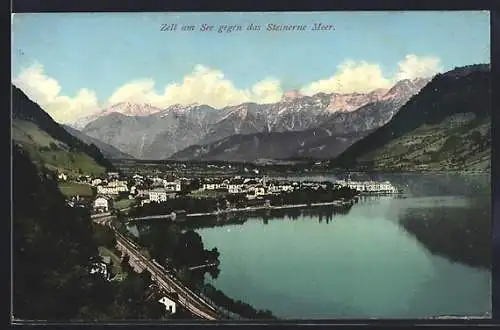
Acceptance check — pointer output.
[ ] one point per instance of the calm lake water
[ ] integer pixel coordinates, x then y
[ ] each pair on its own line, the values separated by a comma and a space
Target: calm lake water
424, 255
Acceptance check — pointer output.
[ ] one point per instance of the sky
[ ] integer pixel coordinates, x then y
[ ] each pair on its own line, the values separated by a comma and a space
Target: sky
75, 64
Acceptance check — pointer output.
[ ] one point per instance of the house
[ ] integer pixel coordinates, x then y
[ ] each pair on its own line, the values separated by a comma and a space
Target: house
85, 179
256, 191
105, 190
223, 186
117, 183
157, 180
169, 304
100, 268
113, 188
249, 181
273, 189
158, 195
235, 188
286, 187
113, 175
209, 186
388, 187
62, 177
137, 177
172, 186
260, 191
101, 204
96, 182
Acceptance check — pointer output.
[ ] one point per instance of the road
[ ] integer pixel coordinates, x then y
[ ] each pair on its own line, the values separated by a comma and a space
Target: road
245, 209
213, 264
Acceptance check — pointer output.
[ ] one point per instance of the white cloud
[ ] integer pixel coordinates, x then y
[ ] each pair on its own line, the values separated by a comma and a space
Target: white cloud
45, 91
140, 91
352, 76
209, 86
204, 86
414, 67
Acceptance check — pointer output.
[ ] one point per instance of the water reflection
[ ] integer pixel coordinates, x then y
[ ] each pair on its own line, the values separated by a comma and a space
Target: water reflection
460, 234
267, 215
458, 229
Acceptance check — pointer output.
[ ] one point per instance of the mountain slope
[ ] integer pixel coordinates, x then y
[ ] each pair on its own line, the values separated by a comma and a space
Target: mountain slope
107, 150
447, 126
274, 145
156, 136
48, 143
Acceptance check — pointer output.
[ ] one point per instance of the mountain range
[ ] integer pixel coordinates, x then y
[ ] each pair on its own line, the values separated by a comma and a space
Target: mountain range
323, 120
443, 123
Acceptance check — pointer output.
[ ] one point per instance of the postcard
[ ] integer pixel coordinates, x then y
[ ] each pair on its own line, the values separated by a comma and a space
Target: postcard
251, 166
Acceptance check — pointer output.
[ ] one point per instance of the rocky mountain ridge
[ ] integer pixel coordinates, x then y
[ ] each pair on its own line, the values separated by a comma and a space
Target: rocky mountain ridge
165, 132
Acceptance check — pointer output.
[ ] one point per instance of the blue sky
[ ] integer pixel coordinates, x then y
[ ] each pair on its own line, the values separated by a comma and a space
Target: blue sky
87, 57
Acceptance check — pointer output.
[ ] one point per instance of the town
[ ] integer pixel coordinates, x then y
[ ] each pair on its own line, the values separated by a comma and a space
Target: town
139, 197
116, 189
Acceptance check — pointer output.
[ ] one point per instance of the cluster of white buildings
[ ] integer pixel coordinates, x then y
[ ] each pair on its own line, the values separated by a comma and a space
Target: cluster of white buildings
162, 190
154, 189
370, 186
261, 186
112, 187
251, 187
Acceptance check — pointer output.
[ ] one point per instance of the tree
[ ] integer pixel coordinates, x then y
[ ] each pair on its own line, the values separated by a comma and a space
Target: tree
104, 236
476, 137
52, 245
189, 250
53, 146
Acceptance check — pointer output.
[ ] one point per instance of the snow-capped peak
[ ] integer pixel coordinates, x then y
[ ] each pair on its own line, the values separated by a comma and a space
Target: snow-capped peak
180, 108
131, 109
124, 108
291, 95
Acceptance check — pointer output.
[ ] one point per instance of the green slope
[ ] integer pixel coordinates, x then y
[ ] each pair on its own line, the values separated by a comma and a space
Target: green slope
49, 144
52, 153
447, 126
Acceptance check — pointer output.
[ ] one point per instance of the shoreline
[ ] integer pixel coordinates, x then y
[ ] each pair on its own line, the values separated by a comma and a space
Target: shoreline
337, 203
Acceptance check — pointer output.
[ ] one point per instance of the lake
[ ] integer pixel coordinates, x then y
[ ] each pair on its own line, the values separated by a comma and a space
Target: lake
427, 254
